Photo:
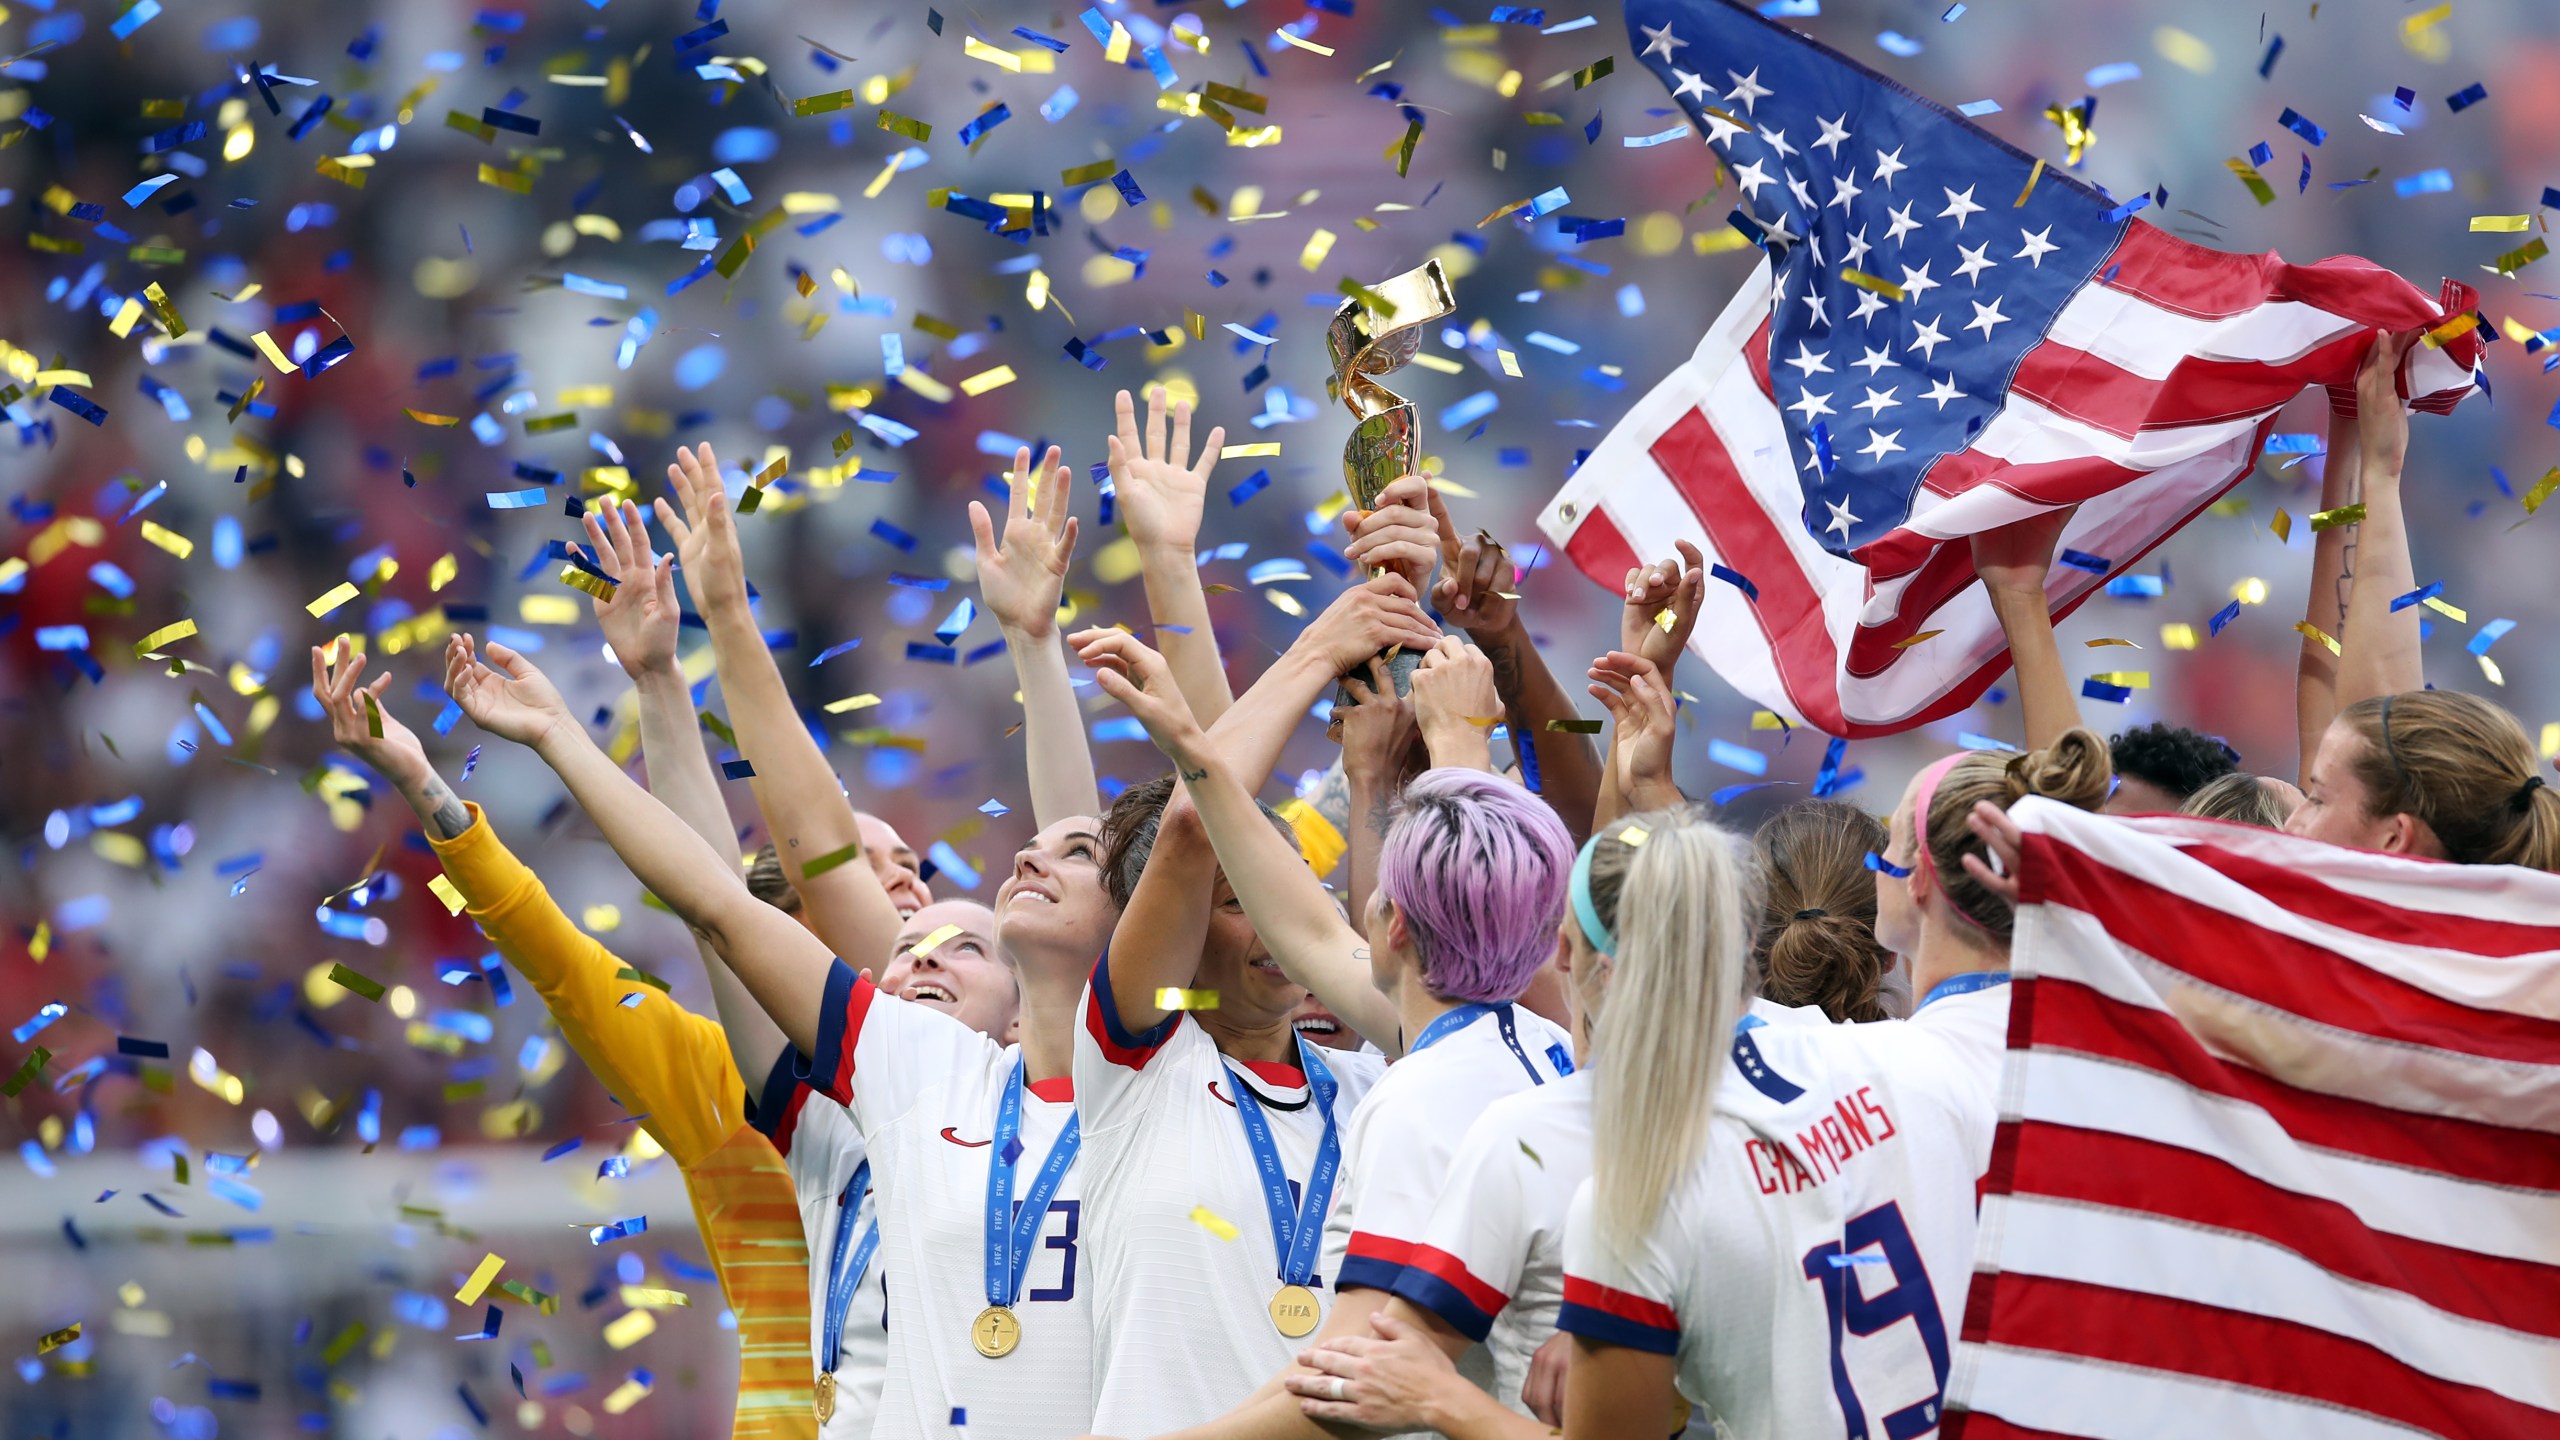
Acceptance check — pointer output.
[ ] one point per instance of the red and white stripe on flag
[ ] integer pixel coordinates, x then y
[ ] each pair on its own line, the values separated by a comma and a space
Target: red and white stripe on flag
2279, 1152
2151, 394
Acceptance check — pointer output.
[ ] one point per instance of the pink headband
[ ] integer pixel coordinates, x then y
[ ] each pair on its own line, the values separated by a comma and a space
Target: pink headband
1921, 800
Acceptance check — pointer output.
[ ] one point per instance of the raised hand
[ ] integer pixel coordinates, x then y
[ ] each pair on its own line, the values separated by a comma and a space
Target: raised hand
513, 701
1476, 577
1161, 485
1640, 701
1020, 581
1377, 728
1455, 703
1653, 589
2007, 843
2019, 555
361, 725
1137, 677
1378, 614
706, 534
1399, 536
2382, 418
640, 621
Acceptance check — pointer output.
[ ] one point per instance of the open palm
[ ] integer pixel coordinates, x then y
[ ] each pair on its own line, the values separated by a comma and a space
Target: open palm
1161, 485
641, 619
360, 723
706, 534
1020, 580
513, 700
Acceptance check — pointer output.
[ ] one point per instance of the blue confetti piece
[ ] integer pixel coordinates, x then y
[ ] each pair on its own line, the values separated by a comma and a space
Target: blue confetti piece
1894, 42
1043, 41
45, 1015
2490, 634
601, 289
932, 654
1737, 757
517, 499
2083, 560
987, 119
2125, 211
2222, 617
80, 405
2302, 125
2261, 153
1882, 866
1060, 104
2461, 100
947, 861
2550, 197
2267, 65
2117, 73
1663, 137
563, 1148
904, 580
1971, 741
833, 651
2419, 596
2425, 182
1731, 793
1738, 581
2137, 587
1549, 202
145, 11
737, 769
1250, 486
1519, 15
2301, 444
1976, 108
1161, 68
957, 622
896, 538
1466, 412
1118, 729
2094, 688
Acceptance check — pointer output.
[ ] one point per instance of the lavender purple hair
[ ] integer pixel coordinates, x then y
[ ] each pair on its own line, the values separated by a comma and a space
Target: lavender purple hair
1478, 866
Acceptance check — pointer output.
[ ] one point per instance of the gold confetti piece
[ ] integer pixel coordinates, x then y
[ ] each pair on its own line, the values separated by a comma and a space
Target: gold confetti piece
906, 125
833, 858
1923, 636
167, 312
2500, 223
2183, 50
1174, 998
41, 943
977, 49
1876, 283
1634, 835
2314, 632
256, 388
576, 579
363, 985
1202, 1216
444, 891
1574, 727
2454, 613
630, 1329
2551, 740
2518, 258
2032, 177
515, 181
630, 1392
2543, 489
1242, 452
478, 1285
441, 573
2490, 668
1510, 363
821, 104
2251, 591
372, 715
934, 941
2129, 679
2110, 640
1318, 245
542, 1301
338, 595
2178, 636
924, 385
1307, 45
852, 702
1765, 719
2259, 189
2332, 519
986, 380
599, 919
547, 610
167, 539
275, 357
425, 418
129, 315
2453, 329
2282, 525
165, 635
68, 1333
649, 1297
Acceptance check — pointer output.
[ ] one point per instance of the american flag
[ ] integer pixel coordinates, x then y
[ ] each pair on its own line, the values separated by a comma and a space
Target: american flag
2279, 1151
1833, 447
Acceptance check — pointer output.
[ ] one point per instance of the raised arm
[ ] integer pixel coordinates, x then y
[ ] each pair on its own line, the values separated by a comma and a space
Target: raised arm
2378, 647
1640, 705
1476, 583
1019, 582
803, 804
2333, 566
1661, 609
783, 966
1380, 613
1162, 489
641, 622
1287, 904
2013, 561
1377, 733
1456, 704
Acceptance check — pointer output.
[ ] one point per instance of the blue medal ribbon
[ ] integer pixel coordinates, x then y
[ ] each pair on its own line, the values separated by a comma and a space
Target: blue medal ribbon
1452, 1021
1295, 1235
843, 1278
1964, 984
1011, 1228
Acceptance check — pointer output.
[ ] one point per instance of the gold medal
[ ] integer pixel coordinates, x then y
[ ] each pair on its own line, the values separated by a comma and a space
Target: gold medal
995, 1332
1294, 1311
826, 1398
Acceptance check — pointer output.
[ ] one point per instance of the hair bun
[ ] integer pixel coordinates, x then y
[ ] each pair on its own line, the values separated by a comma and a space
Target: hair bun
1812, 912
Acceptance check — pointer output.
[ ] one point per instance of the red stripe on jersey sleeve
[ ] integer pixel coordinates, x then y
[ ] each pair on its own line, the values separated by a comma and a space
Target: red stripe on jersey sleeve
1614, 1317
1441, 1283
1447, 1267
840, 1017
1102, 1020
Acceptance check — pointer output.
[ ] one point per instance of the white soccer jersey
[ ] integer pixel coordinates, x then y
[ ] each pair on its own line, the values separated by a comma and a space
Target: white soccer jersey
1182, 1330
1810, 1276
923, 1089
1397, 1151
824, 1153
1491, 1261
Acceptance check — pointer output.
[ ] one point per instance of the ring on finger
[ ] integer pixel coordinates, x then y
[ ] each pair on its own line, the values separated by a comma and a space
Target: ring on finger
1337, 1387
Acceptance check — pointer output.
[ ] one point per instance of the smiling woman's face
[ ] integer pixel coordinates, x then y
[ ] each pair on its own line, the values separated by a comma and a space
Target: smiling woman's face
1053, 910
945, 957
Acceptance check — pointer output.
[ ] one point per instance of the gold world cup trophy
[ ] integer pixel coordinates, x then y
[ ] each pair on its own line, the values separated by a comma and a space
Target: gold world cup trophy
1375, 334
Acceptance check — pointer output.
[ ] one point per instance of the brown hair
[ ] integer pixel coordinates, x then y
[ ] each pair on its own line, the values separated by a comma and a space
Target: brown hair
2074, 770
2242, 799
1129, 835
766, 882
1816, 939
2465, 767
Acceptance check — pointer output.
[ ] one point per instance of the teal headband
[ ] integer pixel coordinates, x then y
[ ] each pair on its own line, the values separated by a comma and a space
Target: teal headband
1586, 914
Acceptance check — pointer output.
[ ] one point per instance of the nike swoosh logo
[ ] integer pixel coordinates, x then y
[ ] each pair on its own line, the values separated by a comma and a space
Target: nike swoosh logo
1223, 1100
951, 1134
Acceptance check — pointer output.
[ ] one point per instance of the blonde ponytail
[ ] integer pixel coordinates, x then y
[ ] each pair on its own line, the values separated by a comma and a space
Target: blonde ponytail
1676, 990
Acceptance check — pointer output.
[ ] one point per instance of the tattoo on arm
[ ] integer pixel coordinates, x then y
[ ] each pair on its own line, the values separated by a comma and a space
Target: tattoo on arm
1190, 776
448, 817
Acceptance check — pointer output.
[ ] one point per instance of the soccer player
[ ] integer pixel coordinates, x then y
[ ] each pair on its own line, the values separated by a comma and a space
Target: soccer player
1470, 887
1791, 1242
